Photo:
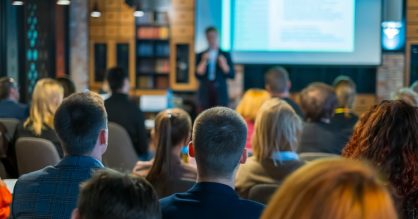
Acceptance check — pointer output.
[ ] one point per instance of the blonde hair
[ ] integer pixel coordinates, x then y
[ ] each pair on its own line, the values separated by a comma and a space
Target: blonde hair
332, 189
251, 103
277, 127
46, 98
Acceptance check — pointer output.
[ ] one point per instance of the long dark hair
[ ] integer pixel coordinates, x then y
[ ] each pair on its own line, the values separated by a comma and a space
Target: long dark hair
171, 128
387, 136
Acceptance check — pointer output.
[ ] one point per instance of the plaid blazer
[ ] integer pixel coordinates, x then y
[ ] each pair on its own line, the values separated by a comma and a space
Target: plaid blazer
52, 192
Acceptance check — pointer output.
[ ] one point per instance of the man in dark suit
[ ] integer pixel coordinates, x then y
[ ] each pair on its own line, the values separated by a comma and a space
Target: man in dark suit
123, 111
9, 100
277, 83
213, 68
219, 136
81, 124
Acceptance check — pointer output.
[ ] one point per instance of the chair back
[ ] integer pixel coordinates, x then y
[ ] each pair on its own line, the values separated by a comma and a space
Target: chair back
7, 131
120, 153
34, 154
262, 193
311, 156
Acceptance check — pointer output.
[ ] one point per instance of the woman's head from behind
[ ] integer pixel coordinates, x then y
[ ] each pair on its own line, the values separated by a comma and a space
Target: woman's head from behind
46, 98
387, 136
172, 130
251, 102
345, 89
277, 128
332, 189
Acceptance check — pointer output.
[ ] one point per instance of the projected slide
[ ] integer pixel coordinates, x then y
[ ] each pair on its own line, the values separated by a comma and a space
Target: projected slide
292, 25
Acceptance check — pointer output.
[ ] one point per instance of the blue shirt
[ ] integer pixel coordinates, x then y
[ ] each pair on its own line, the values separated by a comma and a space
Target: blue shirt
52, 192
209, 200
11, 109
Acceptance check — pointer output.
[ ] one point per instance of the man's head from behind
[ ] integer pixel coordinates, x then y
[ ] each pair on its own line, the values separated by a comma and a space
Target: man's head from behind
118, 80
277, 81
219, 136
318, 102
81, 124
110, 194
9, 89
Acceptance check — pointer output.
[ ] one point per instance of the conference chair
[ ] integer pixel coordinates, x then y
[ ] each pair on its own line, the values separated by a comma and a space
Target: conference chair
120, 153
262, 192
34, 154
10, 125
311, 156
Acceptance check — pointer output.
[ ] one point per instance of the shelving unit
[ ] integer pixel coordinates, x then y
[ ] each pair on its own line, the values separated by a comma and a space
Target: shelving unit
152, 52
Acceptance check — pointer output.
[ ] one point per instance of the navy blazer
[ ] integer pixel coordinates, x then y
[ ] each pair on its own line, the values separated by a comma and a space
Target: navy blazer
220, 81
209, 200
11, 109
52, 192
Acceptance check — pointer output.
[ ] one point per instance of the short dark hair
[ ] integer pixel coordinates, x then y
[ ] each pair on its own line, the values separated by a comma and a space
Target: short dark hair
210, 29
219, 136
277, 79
110, 194
67, 84
6, 83
116, 77
318, 101
78, 122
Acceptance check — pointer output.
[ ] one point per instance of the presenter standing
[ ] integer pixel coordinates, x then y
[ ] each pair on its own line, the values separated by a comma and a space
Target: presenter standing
213, 68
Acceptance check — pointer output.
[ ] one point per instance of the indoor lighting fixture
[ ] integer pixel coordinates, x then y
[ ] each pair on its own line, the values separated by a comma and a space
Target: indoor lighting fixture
16, 2
138, 10
95, 12
63, 2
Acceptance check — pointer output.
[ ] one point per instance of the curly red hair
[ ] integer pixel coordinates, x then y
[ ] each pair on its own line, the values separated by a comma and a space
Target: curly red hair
387, 136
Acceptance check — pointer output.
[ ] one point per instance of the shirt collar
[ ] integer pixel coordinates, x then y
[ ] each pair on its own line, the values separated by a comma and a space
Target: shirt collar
83, 161
212, 187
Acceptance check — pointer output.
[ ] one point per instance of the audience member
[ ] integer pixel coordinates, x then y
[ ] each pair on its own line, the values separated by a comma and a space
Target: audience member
171, 133
318, 102
125, 112
81, 124
110, 195
332, 189
218, 143
9, 100
387, 136
407, 95
277, 132
67, 84
344, 119
248, 108
46, 98
5, 201
278, 84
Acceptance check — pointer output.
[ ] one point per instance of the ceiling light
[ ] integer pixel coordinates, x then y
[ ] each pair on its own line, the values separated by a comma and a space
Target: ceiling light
16, 2
95, 12
138, 10
63, 2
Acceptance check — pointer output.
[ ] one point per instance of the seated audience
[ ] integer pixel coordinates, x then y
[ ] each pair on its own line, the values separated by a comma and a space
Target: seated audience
407, 95
5, 201
81, 124
248, 108
277, 132
344, 119
332, 189
46, 98
67, 84
171, 133
125, 112
218, 144
9, 100
318, 103
278, 84
387, 137
113, 195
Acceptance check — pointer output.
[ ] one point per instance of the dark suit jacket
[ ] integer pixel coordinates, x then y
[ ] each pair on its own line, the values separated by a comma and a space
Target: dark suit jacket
295, 106
11, 109
321, 137
254, 172
126, 113
219, 82
209, 200
52, 192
